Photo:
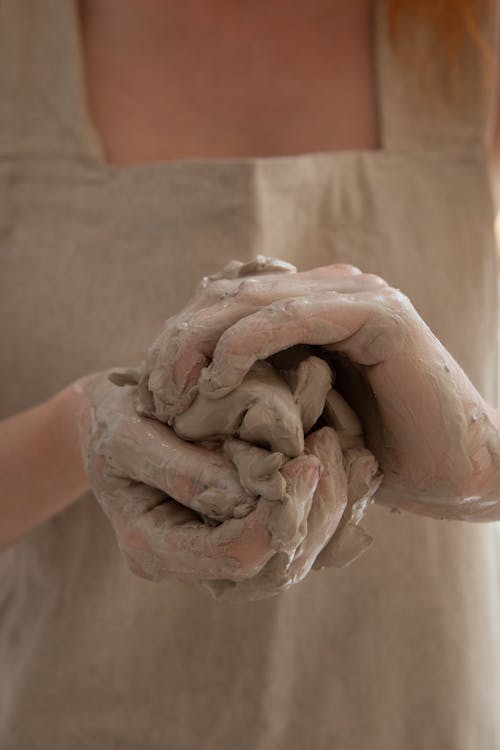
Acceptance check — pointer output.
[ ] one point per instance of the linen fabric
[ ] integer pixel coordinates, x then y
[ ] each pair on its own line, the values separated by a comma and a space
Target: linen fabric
402, 649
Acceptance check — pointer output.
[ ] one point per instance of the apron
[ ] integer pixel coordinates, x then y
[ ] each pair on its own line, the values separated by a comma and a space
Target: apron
400, 650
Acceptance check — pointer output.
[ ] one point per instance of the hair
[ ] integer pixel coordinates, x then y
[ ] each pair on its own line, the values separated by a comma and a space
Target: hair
452, 24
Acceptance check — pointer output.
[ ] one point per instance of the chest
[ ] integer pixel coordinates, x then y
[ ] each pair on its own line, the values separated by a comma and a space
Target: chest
242, 80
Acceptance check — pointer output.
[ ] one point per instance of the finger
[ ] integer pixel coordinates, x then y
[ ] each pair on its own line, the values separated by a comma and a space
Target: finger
119, 497
270, 581
350, 540
329, 502
288, 520
156, 534
161, 537
151, 453
177, 357
202, 479
288, 523
272, 527
234, 549
339, 415
320, 320
225, 281
125, 501
236, 269
310, 383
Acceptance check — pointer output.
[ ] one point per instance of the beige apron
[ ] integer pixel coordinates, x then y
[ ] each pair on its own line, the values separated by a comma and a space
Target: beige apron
399, 652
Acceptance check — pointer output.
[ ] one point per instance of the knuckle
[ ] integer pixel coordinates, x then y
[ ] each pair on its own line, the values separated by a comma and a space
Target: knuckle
290, 308
247, 289
397, 300
375, 280
220, 289
214, 289
347, 268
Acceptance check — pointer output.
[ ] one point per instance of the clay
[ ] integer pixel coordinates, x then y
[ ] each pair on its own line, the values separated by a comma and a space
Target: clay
257, 469
260, 427
350, 540
299, 395
324, 514
311, 485
344, 420
214, 315
236, 269
152, 455
261, 411
310, 383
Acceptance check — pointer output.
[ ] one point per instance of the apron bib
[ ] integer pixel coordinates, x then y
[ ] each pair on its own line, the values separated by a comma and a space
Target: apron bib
400, 650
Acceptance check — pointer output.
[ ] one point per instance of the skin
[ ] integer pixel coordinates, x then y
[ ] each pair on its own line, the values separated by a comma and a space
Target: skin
229, 77
148, 481
187, 341
436, 461
237, 98
149, 494
41, 468
324, 513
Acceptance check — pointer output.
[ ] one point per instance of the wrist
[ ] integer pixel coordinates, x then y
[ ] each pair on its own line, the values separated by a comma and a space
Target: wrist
483, 488
64, 413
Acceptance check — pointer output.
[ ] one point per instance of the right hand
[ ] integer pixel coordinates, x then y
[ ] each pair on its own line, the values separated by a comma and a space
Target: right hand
171, 373
152, 486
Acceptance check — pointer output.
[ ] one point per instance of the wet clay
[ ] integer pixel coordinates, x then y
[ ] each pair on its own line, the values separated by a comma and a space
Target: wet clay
262, 425
285, 407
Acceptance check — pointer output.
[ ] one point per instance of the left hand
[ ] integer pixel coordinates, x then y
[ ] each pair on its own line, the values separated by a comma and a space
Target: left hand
423, 419
333, 537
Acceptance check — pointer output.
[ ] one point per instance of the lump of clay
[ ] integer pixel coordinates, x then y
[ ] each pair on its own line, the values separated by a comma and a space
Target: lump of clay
257, 468
261, 411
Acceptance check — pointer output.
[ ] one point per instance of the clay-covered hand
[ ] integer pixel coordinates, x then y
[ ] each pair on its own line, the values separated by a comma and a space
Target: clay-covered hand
158, 492
186, 342
331, 535
169, 375
428, 427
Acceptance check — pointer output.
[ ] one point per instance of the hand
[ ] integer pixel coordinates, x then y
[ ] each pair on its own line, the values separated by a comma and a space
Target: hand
169, 376
424, 421
332, 537
422, 418
325, 511
153, 486
276, 406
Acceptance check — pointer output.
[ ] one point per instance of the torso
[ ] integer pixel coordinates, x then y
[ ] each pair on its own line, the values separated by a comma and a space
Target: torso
93, 260
221, 79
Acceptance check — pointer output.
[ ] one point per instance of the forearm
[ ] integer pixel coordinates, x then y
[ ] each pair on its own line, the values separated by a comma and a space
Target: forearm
41, 468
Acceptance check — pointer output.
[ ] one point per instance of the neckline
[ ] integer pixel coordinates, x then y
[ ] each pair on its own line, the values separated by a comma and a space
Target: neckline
93, 144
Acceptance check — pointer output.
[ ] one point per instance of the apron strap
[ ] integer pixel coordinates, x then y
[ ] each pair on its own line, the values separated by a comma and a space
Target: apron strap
41, 74
425, 116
